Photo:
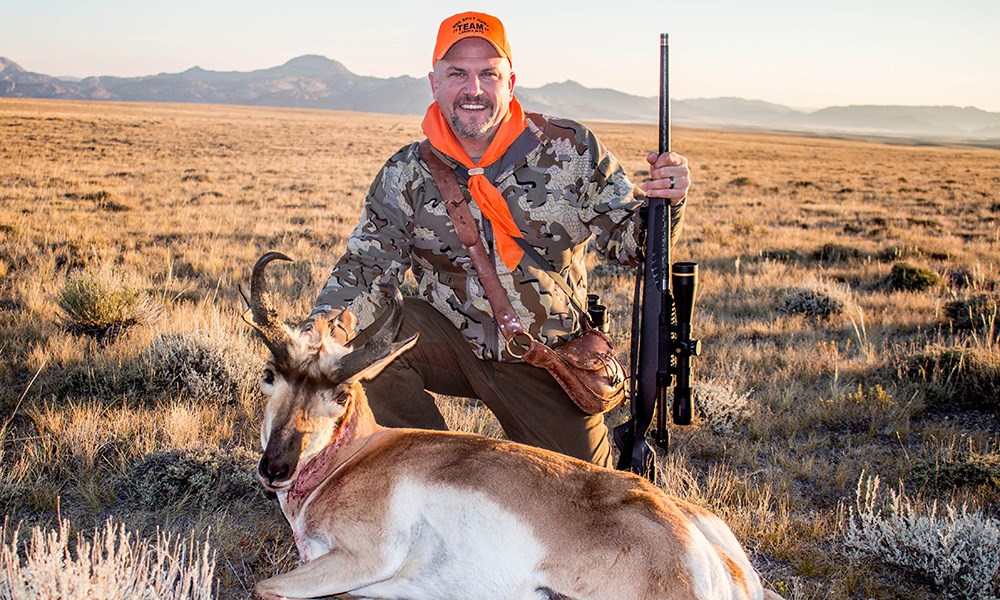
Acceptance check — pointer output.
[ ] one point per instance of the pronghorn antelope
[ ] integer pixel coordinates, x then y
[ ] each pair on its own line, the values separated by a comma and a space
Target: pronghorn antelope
405, 513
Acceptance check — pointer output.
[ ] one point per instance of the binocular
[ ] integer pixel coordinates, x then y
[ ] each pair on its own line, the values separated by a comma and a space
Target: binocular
598, 313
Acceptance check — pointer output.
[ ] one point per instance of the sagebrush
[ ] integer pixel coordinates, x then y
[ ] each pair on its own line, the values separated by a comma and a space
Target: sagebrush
955, 548
112, 564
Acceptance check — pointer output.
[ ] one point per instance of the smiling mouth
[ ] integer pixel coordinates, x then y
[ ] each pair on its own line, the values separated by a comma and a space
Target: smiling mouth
473, 104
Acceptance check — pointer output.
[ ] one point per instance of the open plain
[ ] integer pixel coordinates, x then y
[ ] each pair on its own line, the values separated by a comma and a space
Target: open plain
848, 389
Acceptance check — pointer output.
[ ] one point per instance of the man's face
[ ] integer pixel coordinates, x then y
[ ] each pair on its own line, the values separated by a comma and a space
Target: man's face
473, 87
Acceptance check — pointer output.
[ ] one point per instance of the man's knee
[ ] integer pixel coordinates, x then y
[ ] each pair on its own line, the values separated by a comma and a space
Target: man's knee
398, 399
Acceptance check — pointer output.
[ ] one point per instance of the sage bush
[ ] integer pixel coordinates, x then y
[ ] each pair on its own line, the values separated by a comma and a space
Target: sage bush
955, 549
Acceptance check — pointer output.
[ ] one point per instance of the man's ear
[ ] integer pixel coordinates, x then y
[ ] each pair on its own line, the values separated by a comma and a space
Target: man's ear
433, 80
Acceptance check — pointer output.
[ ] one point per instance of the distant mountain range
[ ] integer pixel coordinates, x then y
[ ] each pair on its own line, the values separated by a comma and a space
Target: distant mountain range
318, 82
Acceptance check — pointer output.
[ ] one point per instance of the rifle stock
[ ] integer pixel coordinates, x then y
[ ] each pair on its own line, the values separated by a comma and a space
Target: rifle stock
661, 324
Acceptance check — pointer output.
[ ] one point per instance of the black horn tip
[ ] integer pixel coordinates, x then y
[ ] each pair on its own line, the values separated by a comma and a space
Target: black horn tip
268, 257
386, 325
391, 293
264, 317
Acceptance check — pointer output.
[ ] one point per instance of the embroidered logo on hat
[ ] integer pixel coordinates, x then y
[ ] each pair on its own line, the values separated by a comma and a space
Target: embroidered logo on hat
471, 24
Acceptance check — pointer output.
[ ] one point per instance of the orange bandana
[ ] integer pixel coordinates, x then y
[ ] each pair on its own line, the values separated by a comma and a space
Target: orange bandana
491, 202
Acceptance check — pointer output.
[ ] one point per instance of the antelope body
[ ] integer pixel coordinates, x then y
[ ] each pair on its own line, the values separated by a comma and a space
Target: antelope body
412, 514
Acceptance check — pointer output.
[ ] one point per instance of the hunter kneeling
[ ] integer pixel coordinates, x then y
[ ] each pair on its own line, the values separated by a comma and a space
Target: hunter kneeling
405, 513
503, 195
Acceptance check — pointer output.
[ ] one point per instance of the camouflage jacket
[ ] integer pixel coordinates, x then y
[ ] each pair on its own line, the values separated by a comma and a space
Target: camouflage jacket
564, 190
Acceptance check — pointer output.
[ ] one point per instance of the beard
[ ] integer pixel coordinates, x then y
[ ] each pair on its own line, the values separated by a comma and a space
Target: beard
473, 129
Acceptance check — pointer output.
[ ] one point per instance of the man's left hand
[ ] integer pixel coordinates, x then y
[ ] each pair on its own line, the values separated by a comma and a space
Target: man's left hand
669, 177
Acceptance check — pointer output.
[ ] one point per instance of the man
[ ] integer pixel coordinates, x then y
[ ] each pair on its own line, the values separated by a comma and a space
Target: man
545, 179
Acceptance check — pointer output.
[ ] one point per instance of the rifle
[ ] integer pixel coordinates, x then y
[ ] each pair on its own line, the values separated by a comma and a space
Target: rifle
661, 344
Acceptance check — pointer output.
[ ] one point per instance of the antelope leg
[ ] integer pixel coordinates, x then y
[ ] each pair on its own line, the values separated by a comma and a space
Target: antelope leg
336, 572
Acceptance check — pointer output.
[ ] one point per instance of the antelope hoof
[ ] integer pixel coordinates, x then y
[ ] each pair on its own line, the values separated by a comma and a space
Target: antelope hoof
259, 594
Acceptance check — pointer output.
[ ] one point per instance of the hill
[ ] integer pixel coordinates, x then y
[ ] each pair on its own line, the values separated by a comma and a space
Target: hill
318, 82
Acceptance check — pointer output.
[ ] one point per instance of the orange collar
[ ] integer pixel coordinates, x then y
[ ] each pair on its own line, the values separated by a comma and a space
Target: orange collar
491, 202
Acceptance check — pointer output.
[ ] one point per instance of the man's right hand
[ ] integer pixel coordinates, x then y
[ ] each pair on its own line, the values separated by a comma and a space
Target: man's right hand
341, 325
669, 177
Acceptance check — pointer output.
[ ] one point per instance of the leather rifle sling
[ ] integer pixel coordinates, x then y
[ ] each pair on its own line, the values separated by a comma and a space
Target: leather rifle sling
468, 234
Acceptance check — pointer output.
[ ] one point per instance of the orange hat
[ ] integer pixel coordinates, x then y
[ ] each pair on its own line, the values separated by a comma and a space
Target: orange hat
468, 25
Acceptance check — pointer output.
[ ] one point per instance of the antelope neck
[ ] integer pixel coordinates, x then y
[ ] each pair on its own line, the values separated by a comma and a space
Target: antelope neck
318, 469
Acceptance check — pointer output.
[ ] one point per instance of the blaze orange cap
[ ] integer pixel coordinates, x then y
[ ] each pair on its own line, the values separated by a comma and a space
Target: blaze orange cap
469, 25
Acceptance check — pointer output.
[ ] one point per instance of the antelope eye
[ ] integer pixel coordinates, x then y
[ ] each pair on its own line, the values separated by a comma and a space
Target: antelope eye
268, 376
340, 397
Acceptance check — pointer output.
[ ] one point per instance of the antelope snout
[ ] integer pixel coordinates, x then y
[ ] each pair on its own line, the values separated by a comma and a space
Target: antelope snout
275, 475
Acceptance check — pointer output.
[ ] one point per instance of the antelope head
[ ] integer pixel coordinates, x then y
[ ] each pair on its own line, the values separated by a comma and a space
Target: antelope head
315, 403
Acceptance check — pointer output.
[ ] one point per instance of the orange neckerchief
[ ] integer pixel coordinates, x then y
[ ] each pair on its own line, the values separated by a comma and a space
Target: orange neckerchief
491, 202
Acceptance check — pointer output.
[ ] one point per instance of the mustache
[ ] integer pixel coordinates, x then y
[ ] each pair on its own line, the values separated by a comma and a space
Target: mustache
473, 100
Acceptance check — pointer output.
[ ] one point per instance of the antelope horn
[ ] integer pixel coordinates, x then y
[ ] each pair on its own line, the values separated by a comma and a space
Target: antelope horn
376, 340
265, 318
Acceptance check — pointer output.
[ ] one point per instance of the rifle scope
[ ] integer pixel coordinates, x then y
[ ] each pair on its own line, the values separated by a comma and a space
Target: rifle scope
684, 281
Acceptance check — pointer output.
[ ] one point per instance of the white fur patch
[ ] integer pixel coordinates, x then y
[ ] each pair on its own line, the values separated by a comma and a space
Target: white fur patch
314, 350
711, 576
443, 543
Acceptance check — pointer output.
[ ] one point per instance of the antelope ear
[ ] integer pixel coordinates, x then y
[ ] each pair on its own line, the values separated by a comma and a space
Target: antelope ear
395, 350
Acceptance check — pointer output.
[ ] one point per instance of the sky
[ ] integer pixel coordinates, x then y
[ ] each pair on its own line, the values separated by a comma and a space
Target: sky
804, 54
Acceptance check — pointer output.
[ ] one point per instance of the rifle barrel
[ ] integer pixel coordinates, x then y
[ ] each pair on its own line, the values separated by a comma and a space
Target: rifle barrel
659, 246
652, 318
664, 94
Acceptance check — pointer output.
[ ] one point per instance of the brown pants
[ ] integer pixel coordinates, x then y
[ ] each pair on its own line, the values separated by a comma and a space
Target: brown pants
530, 405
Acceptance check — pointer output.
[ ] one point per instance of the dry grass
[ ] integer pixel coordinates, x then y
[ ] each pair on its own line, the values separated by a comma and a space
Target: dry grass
111, 564
816, 367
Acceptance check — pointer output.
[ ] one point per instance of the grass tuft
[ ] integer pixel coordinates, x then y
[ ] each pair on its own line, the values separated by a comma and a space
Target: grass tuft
741, 181
204, 478
200, 366
724, 409
838, 253
952, 468
115, 206
781, 255
820, 300
906, 277
977, 312
864, 411
102, 305
963, 376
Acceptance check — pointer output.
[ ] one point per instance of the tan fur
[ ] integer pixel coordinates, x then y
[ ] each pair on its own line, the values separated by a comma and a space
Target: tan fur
598, 533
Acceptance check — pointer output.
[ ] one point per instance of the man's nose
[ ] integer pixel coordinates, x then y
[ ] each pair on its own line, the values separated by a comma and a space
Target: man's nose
472, 86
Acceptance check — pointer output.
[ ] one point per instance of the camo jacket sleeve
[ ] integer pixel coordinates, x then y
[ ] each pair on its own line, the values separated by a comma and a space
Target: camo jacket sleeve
378, 251
566, 192
604, 200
